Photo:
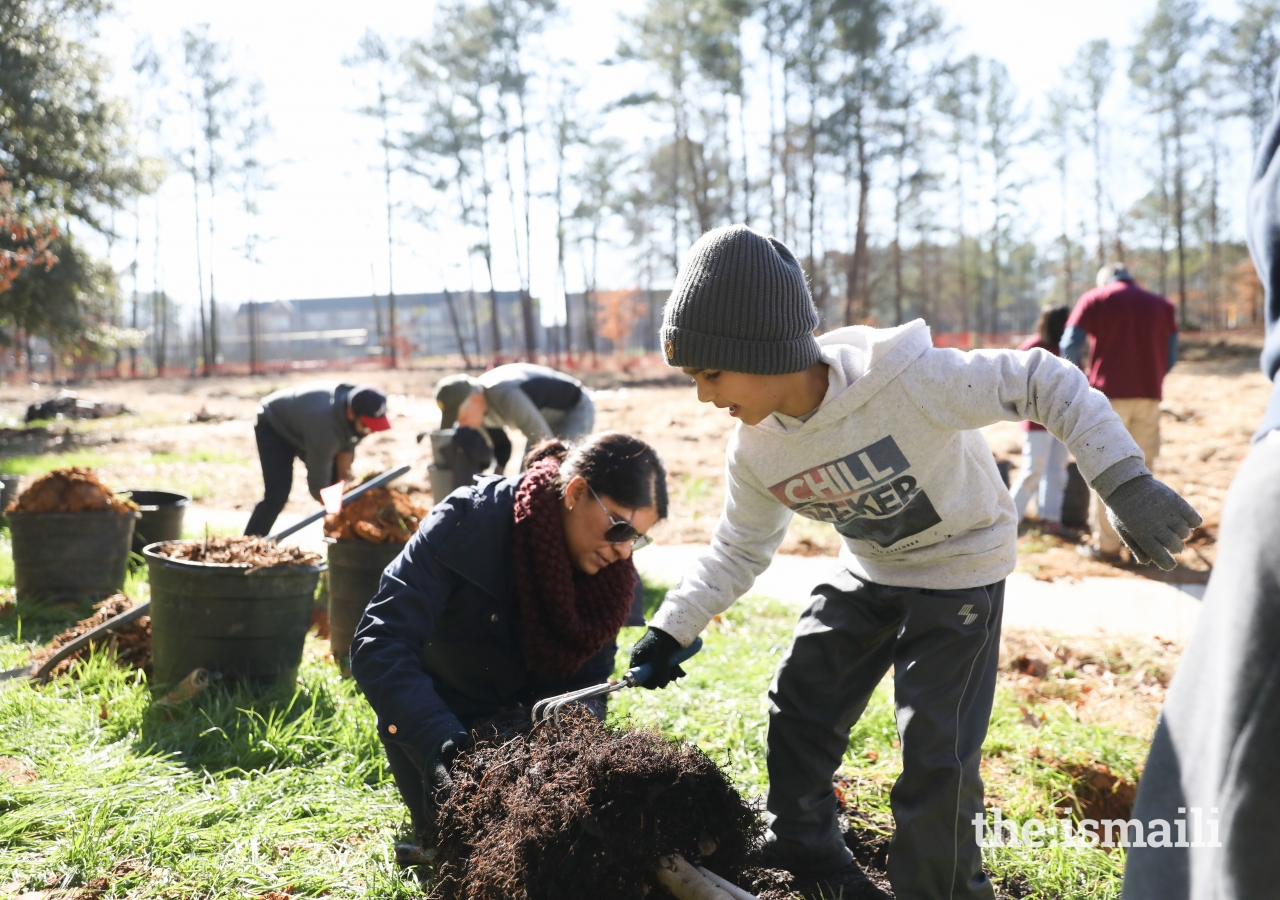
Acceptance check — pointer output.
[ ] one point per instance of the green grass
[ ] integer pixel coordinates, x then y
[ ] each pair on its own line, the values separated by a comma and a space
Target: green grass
201, 455
723, 707
41, 463
126, 422
237, 794
197, 483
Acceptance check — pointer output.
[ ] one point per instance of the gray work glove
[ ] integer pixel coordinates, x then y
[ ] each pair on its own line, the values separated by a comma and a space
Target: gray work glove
1151, 519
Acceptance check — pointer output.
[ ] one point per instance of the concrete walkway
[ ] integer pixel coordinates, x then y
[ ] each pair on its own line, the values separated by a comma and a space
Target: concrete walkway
1121, 606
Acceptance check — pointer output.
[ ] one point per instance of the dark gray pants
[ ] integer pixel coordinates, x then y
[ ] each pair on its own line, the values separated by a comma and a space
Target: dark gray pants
276, 456
1215, 757
943, 646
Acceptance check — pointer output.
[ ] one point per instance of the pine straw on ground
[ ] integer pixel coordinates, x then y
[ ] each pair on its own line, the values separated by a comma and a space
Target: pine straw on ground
256, 552
380, 516
1097, 680
585, 816
68, 491
131, 644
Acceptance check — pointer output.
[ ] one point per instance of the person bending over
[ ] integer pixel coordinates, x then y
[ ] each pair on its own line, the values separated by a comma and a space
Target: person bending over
320, 423
536, 401
513, 590
876, 431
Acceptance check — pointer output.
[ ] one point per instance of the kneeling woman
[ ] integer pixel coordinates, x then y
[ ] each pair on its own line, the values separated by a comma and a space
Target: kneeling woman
512, 590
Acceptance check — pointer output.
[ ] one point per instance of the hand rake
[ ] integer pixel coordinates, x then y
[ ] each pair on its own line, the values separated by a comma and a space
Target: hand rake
549, 708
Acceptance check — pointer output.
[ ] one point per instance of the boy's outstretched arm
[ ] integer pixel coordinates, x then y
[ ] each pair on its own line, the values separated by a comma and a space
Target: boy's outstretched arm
748, 533
973, 390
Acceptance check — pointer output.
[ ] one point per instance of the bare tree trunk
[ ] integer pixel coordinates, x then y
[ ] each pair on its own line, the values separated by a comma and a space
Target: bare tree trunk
1215, 249
211, 364
204, 325
811, 150
1178, 213
742, 138
898, 203
530, 325
457, 327
1164, 213
862, 304
962, 254
773, 137
391, 280
1097, 184
495, 330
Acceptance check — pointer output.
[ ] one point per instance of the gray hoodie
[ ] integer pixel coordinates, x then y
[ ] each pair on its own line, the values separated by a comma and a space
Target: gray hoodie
893, 460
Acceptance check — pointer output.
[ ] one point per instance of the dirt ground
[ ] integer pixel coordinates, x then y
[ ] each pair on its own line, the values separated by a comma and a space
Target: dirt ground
196, 435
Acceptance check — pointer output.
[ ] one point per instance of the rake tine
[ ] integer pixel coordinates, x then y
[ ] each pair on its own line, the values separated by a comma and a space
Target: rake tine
543, 709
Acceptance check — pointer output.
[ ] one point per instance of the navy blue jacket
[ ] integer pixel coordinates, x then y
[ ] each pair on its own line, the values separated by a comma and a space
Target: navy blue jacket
1263, 234
439, 647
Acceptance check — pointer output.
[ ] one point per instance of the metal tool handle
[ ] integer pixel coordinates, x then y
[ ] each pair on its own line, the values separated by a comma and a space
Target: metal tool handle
129, 615
640, 674
384, 478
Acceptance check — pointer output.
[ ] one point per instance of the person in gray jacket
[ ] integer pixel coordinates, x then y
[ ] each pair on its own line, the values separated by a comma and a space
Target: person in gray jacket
320, 423
1213, 761
535, 400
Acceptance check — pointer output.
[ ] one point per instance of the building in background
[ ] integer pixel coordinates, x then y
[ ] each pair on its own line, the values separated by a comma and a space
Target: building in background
359, 328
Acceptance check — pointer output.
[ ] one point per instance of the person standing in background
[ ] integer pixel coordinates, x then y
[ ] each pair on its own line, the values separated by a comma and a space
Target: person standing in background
1134, 336
1044, 457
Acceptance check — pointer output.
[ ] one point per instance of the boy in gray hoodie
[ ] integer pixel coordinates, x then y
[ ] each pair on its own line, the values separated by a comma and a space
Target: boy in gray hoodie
875, 431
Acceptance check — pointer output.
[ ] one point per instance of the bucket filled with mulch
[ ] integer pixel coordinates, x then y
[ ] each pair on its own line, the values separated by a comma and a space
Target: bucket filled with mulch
71, 538
590, 811
366, 535
240, 606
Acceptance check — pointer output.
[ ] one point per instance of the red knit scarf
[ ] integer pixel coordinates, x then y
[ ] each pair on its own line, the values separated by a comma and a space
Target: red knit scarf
567, 615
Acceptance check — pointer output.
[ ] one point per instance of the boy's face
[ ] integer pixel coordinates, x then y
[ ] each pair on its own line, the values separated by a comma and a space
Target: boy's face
748, 398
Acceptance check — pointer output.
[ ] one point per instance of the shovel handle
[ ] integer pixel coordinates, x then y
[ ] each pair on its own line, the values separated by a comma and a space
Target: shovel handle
129, 615
641, 673
384, 478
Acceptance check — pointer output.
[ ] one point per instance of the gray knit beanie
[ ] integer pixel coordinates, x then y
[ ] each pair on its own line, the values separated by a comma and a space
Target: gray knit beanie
740, 304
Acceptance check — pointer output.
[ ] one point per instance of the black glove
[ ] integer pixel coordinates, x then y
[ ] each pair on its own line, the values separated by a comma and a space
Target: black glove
436, 770
656, 648
1151, 519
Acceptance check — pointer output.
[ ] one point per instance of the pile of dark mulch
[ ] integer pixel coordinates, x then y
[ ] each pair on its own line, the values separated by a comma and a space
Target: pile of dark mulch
132, 643
586, 815
256, 552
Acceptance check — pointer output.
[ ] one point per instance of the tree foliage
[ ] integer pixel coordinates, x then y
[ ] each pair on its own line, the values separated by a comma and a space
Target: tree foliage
64, 143
68, 156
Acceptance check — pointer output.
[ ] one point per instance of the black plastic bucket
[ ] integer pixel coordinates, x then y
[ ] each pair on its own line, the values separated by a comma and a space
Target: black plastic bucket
458, 455
9, 489
162, 513
59, 557
355, 568
247, 624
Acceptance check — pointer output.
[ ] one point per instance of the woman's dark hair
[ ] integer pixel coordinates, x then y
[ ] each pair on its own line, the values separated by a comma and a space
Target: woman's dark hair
623, 467
1051, 324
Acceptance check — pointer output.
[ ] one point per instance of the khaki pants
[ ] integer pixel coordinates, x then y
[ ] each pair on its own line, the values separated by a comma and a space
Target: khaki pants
1141, 416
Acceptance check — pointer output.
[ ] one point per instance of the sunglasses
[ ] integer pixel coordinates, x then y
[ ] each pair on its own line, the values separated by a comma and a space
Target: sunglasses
621, 531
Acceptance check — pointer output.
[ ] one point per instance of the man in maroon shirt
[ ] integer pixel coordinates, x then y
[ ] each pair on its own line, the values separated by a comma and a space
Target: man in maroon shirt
1134, 342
